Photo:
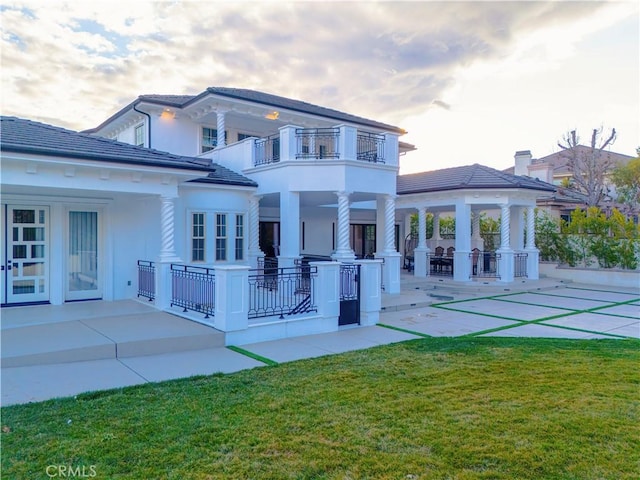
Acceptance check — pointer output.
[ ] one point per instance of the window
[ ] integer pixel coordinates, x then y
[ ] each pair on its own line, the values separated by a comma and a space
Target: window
197, 237
210, 139
221, 236
239, 237
139, 132
242, 136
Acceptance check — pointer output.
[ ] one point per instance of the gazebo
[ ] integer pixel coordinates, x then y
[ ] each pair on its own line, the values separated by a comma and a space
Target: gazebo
468, 191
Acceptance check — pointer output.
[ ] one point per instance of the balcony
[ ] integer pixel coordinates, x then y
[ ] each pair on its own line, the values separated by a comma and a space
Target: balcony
303, 145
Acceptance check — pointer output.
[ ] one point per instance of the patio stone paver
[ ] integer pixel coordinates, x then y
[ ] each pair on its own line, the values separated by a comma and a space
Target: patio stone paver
604, 295
442, 323
543, 331
549, 300
599, 323
631, 311
506, 310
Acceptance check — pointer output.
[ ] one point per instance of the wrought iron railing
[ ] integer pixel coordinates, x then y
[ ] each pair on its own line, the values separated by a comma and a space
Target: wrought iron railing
280, 292
440, 265
484, 264
193, 288
317, 143
520, 265
349, 282
267, 150
370, 147
146, 279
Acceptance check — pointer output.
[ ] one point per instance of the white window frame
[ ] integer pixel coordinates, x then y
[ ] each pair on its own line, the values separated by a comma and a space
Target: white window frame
239, 238
222, 233
139, 135
198, 236
204, 148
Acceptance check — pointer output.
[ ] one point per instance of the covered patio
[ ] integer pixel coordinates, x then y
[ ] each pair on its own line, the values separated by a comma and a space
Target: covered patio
467, 192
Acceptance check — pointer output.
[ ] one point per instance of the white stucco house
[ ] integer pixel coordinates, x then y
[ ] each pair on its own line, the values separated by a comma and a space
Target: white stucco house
266, 216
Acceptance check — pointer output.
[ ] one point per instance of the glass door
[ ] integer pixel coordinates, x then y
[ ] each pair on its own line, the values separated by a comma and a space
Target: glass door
83, 261
25, 256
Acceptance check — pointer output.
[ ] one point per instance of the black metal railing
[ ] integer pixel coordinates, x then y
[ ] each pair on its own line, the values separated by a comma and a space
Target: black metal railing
193, 288
440, 265
370, 147
285, 291
484, 264
267, 150
520, 265
317, 143
146, 279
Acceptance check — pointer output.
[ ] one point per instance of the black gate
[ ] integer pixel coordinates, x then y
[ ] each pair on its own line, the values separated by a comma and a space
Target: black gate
349, 294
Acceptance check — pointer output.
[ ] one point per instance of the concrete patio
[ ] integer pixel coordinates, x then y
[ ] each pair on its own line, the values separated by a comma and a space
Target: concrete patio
50, 352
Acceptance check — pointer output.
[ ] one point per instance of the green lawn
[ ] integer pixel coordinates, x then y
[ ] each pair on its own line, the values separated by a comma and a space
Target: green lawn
459, 408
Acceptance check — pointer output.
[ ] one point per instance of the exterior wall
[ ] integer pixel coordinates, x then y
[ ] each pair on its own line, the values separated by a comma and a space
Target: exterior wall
612, 278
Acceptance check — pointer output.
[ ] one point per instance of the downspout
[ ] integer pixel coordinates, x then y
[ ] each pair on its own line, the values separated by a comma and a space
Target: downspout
148, 123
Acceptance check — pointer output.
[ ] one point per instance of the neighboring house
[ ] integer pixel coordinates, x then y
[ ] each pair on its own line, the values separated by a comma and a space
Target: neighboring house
555, 170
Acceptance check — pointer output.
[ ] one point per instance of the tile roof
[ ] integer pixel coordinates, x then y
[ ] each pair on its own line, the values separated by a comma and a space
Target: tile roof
473, 177
26, 136
275, 101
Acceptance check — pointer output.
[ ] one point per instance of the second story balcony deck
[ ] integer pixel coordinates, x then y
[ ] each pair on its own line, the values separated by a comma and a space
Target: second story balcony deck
296, 146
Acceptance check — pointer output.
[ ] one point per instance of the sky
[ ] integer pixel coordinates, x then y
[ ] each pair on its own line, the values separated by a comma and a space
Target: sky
471, 82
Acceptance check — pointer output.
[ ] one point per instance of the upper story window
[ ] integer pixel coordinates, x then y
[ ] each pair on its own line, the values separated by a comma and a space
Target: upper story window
139, 134
209, 139
242, 136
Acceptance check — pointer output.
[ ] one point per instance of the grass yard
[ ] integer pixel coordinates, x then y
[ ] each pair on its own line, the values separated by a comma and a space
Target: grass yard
458, 408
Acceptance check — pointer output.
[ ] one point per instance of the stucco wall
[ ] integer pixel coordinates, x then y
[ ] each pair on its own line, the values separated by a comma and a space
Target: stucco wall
611, 278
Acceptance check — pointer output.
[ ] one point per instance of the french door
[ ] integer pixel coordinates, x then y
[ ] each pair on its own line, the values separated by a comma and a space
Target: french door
84, 268
24, 267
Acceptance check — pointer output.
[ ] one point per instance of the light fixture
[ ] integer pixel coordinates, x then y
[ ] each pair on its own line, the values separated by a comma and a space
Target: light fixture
168, 114
272, 115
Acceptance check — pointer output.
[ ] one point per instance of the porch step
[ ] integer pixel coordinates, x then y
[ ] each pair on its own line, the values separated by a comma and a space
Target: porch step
105, 337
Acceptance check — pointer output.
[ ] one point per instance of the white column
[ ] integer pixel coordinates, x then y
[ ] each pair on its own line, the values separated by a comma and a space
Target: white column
220, 117
389, 224
461, 261
420, 254
343, 252
289, 229
370, 294
533, 254
436, 228
391, 265
476, 239
517, 229
167, 226
254, 231
167, 253
505, 252
232, 298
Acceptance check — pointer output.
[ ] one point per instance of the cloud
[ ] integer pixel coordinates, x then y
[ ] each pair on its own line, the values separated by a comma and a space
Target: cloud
385, 60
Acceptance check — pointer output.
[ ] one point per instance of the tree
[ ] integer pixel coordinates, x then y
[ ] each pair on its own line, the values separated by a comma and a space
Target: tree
626, 178
589, 165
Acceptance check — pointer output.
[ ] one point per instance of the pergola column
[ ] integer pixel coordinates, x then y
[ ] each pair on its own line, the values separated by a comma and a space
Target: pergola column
505, 252
254, 231
533, 254
461, 262
421, 252
436, 228
344, 253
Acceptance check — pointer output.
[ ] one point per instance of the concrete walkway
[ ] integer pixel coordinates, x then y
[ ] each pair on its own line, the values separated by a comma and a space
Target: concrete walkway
539, 310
